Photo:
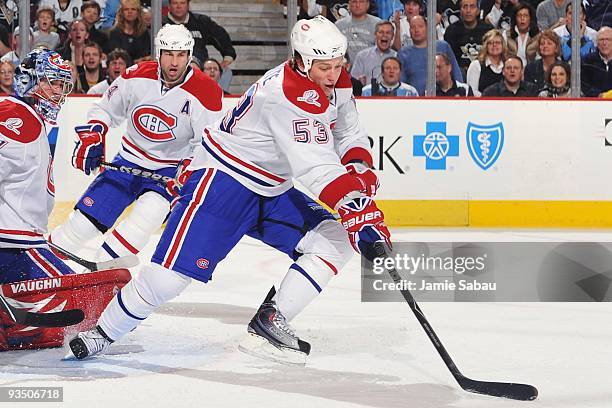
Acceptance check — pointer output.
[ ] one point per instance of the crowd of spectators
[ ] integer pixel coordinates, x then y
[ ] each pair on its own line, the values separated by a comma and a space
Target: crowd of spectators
387, 43
475, 39
101, 38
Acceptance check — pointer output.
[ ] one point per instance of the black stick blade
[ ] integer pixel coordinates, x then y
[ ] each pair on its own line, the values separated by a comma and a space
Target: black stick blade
57, 319
521, 392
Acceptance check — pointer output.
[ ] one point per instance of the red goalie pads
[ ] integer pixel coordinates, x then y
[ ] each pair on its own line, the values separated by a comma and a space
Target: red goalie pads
90, 292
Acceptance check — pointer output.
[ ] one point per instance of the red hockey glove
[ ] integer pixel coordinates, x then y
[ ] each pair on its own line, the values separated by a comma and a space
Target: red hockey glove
173, 187
365, 176
365, 223
89, 149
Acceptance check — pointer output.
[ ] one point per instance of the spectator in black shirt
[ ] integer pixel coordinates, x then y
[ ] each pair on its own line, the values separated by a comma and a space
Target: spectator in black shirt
549, 49
512, 86
445, 84
465, 36
597, 66
130, 31
204, 31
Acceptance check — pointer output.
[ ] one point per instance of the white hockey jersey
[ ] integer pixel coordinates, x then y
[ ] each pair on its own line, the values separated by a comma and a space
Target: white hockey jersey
285, 127
66, 15
26, 176
163, 125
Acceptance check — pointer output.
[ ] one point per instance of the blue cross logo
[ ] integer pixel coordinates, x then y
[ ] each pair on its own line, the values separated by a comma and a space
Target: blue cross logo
435, 145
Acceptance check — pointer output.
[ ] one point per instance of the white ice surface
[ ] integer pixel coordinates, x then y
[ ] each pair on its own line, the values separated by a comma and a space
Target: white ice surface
363, 354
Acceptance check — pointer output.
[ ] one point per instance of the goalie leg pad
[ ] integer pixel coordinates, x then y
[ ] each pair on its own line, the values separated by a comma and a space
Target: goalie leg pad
152, 287
89, 292
325, 251
133, 233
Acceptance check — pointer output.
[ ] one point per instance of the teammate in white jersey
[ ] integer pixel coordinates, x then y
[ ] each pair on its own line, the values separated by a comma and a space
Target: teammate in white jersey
166, 105
298, 122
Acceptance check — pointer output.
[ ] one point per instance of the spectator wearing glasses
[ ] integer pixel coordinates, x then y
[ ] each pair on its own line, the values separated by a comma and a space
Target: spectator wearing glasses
445, 84
487, 68
597, 66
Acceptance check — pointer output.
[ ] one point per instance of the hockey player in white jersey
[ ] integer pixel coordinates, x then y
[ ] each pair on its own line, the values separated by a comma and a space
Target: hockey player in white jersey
298, 122
166, 105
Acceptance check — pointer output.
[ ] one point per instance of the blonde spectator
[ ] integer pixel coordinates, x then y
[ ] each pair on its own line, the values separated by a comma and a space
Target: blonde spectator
76, 81
7, 72
487, 68
549, 50
130, 31
74, 47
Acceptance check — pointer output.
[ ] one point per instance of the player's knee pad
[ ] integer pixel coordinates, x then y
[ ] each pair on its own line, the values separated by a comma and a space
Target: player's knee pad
75, 232
90, 292
132, 234
329, 244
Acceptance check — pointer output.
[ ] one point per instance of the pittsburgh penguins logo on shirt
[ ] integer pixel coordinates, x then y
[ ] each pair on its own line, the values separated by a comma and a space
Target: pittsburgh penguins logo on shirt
154, 123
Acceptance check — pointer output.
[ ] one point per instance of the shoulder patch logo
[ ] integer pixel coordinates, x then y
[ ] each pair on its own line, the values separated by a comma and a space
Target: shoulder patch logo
13, 124
310, 97
110, 91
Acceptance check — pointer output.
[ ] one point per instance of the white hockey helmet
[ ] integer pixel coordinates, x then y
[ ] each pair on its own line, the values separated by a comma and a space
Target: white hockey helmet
173, 37
317, 39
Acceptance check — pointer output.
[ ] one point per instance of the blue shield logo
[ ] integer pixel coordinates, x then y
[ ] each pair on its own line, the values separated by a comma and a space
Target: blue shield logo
485, 143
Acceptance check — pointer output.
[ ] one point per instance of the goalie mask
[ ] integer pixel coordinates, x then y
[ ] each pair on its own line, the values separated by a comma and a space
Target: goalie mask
43, 80
317, 39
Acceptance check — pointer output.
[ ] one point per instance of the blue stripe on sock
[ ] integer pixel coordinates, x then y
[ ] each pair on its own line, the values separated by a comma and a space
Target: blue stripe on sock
306, 275
127, 312
109, 251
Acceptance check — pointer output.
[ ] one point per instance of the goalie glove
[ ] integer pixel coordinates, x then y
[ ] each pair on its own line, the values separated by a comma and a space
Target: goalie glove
365, 176
364, 223
174, 186
89, 149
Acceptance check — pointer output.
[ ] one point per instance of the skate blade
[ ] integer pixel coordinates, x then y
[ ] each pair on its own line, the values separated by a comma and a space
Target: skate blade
70, 357
258, 346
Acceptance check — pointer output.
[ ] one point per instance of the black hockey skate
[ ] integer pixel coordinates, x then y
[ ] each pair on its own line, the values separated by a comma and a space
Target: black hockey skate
270, 337
88, 344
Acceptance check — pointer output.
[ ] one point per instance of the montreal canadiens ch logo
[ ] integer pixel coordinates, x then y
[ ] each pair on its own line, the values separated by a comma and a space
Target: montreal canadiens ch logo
202, 263
154, 123
57, 61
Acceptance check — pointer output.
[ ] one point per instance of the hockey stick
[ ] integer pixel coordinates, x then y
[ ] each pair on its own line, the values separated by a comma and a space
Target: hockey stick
136, 172
127, 261
56, 319
523, 392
